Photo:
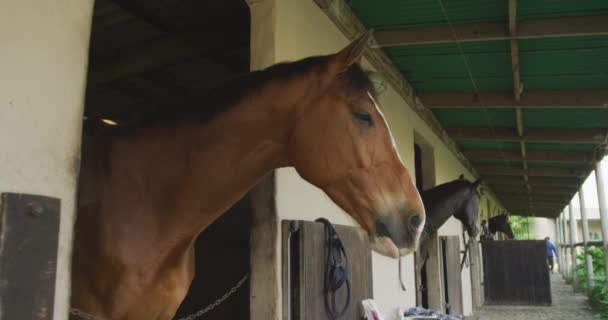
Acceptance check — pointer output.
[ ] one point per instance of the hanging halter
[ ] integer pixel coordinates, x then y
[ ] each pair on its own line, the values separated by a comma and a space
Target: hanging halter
337, 272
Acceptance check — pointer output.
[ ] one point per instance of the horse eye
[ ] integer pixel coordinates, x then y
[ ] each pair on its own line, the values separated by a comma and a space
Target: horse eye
364, 117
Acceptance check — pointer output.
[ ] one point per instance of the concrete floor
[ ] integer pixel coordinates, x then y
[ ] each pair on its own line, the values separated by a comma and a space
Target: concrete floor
566, 306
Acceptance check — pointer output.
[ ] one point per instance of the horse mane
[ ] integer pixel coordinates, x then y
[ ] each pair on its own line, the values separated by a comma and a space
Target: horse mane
442, 190
228, 93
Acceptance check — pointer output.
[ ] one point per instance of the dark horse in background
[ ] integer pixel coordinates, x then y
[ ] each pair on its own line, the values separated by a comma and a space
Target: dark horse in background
501, 223
459, 198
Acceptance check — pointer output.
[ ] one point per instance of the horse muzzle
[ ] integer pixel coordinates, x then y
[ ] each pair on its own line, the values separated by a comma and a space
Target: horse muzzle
395, 236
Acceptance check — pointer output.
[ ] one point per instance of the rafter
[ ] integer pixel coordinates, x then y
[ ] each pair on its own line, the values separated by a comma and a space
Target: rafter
493, 170
514, 155
588, 136
488, 31
535, 197
178, 46
535, 181
529, 99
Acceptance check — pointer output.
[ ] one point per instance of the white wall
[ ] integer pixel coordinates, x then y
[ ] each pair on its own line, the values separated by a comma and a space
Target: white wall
43, 64
544, 227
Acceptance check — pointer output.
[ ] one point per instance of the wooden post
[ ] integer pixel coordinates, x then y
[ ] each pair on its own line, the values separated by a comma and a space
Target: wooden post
572, 248
588, 259
600, 174
265, 268
475, 273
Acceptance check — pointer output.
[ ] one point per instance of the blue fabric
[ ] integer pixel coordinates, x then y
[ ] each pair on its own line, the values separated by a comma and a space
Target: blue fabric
551, 249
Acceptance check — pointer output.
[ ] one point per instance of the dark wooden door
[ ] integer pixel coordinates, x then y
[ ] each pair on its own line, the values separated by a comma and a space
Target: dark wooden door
516, 272
304, 254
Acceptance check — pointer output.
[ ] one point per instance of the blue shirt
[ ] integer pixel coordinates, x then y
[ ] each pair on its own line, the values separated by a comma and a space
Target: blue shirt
550, 249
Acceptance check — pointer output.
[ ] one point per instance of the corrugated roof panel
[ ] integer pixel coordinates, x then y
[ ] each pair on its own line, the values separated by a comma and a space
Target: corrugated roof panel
553, 164
559, 147
508, 163
566, 118
442, 67
493, 145
564, 63
560, 8
388, 14
465, 117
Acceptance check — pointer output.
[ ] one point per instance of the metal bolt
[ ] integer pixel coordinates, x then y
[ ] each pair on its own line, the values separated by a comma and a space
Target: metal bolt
34, 209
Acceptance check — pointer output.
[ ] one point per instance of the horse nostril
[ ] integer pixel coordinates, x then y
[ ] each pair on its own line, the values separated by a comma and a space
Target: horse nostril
415, 221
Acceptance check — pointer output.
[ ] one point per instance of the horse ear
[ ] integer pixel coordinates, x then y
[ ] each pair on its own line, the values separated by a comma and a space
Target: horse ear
461, 177
351, 54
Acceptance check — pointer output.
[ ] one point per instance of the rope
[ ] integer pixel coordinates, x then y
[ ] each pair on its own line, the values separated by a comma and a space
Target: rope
337, 272
471, 78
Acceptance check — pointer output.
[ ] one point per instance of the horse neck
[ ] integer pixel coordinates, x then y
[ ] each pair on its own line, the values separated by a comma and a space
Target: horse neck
209, 167
440, 210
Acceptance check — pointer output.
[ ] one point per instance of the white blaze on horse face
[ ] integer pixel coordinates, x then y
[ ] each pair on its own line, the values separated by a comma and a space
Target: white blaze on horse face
387, 127
421, 227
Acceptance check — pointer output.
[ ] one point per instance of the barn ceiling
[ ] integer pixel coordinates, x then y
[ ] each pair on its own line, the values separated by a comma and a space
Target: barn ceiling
148, 55
521, 86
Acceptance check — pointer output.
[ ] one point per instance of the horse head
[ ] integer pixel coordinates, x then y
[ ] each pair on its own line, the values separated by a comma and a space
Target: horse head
469, 212
341, 143
501, 223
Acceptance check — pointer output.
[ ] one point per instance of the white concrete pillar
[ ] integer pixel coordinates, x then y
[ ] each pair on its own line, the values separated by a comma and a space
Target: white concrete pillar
559, 242
43, 63
572, 247
566, 236
600, 178
588, 259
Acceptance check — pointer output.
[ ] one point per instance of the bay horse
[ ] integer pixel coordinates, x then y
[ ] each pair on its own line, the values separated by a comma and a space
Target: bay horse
459, 198
501, 223
146, 192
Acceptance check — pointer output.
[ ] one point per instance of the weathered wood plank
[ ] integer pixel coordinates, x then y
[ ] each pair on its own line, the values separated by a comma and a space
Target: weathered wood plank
29, 234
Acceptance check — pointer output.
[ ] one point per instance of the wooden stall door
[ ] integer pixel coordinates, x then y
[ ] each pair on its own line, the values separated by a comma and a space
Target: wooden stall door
516, 272
452, 275
304, 254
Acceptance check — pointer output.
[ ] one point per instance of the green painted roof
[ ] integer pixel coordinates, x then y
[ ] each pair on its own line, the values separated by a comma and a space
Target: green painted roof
552, 63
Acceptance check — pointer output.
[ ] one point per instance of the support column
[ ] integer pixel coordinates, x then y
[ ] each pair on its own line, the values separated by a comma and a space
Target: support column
559, 242
588, 259
572, 248
600, 175
42, 86
566, 237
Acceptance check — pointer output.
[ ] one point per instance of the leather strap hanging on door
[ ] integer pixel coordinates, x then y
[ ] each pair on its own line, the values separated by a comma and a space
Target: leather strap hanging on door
337, 272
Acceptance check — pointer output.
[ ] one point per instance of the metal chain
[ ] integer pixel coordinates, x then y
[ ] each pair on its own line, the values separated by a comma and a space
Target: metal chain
87, 316
219, 301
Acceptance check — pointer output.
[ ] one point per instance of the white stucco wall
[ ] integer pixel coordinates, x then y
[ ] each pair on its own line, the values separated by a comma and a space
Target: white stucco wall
302, 29
544, 227
43, 64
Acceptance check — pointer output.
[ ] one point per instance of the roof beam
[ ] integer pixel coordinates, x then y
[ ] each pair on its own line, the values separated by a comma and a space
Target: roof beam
487, 31
574, 136
535, 181
517, 87
530, 99
495, 170
514, 155
171, 49
535, 197
507, 189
